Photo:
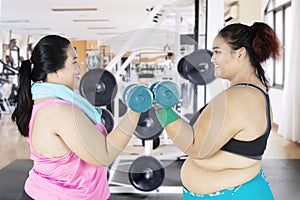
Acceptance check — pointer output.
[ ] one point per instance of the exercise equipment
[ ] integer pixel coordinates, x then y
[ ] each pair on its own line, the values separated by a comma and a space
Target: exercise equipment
125, 91
107, 120
166, 93
122, 108
98, 86
137, 97
197, 67
156, 143
146, 173
180, 66
8, 69
6, 95
14, 54
148, 126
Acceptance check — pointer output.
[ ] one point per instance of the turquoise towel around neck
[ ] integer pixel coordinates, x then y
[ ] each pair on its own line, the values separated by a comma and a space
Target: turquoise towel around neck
43, 90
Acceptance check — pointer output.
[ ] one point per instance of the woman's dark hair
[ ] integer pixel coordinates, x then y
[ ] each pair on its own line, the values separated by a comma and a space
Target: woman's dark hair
259, 40
49, 55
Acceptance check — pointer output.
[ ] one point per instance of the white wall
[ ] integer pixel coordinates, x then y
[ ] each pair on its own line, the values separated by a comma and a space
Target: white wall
250, 11
215, 18
276, 103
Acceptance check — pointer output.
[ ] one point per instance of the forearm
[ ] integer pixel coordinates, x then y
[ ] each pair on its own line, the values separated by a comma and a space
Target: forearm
118, 139
188, 139
181, 133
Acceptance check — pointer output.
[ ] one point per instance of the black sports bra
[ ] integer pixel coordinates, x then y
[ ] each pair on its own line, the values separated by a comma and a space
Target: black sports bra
252, 149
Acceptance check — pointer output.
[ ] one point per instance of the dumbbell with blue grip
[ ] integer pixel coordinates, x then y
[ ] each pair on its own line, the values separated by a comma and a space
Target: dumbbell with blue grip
165, 93
138, 98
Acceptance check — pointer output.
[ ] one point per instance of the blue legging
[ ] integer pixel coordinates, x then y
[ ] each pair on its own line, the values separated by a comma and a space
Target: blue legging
256, 189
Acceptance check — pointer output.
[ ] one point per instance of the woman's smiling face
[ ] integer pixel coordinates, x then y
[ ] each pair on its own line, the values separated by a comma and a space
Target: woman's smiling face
70, 74
224, 59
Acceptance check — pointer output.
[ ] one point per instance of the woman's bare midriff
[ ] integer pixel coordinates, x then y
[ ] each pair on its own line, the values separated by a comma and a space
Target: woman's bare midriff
221, 171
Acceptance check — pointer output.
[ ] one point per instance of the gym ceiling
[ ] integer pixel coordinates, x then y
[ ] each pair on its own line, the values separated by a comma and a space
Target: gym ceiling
89, 20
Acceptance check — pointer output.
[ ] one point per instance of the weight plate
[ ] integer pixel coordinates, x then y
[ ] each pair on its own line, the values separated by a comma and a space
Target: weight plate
198, 68
139, 98
146, 173
122, 108
180, 66
107, 120
125, 91
152, 86
148, 126
166, 94
98, 86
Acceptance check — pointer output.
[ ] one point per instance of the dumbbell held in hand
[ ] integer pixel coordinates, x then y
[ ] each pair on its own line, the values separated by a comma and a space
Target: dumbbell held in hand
138, 98
166, 93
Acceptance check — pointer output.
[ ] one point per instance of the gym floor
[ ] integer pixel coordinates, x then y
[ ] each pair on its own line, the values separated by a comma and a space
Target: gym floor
281, 164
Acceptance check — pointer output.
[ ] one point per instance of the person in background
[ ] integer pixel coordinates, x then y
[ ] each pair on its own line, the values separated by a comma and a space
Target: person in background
225, 140
69, 146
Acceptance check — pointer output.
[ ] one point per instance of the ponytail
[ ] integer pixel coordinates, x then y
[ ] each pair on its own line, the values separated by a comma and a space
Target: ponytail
265, 44
22, 112
262, 76
48, 56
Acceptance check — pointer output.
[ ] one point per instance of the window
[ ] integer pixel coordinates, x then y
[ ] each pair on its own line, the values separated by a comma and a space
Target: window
277, 15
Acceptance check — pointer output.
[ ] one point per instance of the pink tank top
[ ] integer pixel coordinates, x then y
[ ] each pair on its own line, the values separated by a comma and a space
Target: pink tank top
67, 177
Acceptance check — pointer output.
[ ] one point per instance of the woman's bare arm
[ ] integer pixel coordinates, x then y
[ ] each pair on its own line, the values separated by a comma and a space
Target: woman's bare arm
83, 138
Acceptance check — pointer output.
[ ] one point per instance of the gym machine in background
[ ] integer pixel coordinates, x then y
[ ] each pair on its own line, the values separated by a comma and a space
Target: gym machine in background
150, 157
143, 166
9, 71
11, 60
147, 165
139, 169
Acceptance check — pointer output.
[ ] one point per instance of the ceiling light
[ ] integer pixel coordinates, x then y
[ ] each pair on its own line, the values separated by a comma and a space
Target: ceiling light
14, 21
41, 28
73, 9
99, 27
107, 33
90, 20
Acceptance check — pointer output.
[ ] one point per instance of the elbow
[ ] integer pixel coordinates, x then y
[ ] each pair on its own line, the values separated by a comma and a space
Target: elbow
102, 163
195, 154
198, 156
205, 155
108, 162
104, 160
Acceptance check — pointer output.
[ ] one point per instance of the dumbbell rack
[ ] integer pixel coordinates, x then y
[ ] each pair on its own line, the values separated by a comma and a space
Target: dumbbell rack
118, 173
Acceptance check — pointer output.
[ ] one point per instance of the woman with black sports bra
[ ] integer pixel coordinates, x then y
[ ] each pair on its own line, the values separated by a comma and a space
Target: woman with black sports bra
226, 141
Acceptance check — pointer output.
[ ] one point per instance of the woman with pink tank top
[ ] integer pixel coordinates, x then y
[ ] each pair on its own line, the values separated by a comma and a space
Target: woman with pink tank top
70, 149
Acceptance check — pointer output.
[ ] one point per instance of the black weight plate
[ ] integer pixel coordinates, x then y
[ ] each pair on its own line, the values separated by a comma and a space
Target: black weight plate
198, 68
122, 108
98, 86
146, 173
148, 126
156, 142
180, 66
107, 120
